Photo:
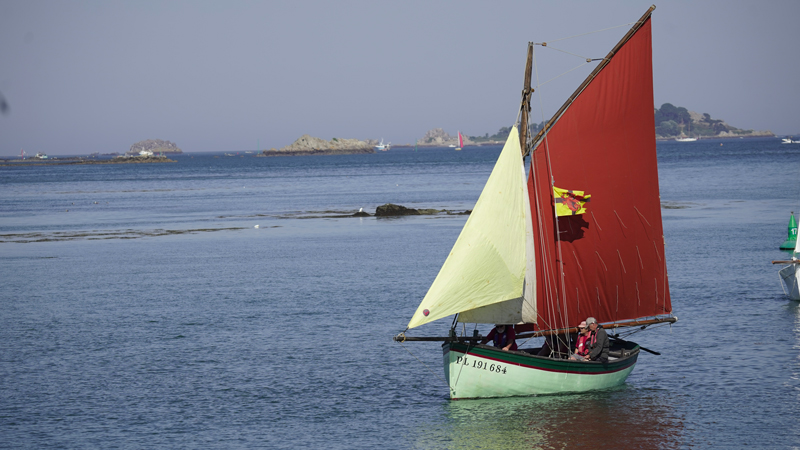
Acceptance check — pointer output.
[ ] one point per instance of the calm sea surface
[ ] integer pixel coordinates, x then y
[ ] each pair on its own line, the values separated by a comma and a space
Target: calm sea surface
141, 308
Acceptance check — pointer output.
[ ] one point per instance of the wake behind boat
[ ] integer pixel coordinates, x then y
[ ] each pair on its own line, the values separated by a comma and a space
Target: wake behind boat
547, 252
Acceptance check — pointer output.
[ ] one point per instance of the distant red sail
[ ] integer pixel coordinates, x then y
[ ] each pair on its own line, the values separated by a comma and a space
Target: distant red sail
612, 256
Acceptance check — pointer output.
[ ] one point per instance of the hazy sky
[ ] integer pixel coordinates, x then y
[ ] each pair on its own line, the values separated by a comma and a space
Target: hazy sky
87, 76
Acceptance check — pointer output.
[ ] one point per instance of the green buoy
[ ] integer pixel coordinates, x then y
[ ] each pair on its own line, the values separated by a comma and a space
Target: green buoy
792, 239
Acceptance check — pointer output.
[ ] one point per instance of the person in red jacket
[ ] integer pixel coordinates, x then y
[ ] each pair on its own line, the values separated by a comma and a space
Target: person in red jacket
581, 349
503, 337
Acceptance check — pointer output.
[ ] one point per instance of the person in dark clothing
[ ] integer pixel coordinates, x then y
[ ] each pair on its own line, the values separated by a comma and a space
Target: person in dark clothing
503, 337
598, 341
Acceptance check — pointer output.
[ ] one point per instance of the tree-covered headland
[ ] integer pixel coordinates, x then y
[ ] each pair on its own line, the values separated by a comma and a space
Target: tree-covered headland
671, 122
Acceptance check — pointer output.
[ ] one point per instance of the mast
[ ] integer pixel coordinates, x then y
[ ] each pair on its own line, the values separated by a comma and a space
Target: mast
526, 102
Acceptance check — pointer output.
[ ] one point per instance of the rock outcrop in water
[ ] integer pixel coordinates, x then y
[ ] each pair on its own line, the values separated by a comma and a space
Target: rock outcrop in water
154, 145
390, 209
309, 145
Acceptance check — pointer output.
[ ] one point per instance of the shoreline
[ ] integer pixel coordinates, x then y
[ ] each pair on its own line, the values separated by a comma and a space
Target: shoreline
72, 161
356, 151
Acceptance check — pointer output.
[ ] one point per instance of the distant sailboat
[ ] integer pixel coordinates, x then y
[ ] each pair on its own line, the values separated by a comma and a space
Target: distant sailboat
684, 138
460, 141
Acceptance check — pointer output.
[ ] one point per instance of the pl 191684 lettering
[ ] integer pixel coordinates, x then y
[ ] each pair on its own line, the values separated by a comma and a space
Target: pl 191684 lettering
480, 364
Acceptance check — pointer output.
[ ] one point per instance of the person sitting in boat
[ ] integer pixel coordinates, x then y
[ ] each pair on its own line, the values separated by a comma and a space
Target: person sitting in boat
581, 349
503, 337
556, 346
598, 341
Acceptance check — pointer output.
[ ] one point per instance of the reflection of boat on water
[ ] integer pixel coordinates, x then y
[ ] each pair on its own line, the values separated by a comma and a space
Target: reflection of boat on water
790, 274
383, 147
545, 258
652, 421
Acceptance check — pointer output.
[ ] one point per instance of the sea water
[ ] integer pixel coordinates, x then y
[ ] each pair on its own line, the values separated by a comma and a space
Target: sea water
231, 302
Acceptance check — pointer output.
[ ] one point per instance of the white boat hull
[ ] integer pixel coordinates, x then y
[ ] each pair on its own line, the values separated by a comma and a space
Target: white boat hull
790, 275
482, 371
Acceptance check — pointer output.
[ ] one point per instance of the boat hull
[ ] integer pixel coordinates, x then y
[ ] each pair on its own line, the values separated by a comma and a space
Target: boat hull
789, 277
483, 371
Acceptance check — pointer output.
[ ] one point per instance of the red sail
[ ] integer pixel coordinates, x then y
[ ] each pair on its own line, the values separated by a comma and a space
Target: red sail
612, 255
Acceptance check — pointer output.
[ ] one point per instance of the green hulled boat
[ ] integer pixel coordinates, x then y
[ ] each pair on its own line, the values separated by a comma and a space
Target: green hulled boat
579, 235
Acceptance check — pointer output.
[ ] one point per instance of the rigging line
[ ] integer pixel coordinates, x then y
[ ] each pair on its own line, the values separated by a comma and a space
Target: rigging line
584, 34
548, 268
461, 367
551, 183
561, 75
586, 58
420, 361
544, 260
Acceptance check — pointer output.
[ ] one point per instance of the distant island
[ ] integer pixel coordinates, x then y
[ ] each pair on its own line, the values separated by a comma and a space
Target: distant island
671, 122
153, 147
309, 145
676, 121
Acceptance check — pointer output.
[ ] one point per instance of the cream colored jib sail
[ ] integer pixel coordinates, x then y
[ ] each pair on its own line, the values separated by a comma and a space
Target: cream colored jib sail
488, 262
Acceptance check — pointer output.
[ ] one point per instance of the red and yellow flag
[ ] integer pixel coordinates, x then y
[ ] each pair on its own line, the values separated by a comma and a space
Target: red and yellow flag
570, 203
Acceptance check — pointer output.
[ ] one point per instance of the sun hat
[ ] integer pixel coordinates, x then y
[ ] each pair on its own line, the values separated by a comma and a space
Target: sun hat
582, 325
590, 321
